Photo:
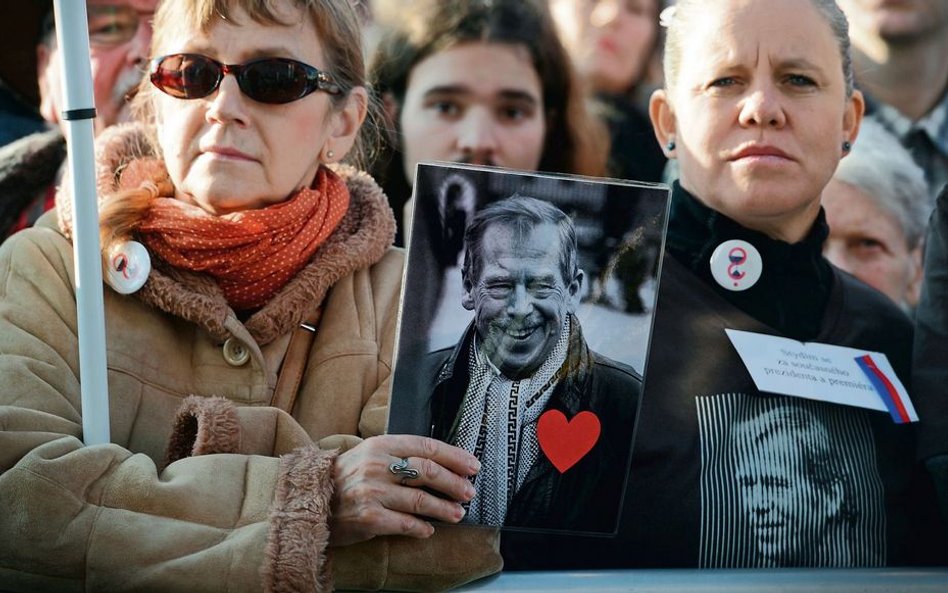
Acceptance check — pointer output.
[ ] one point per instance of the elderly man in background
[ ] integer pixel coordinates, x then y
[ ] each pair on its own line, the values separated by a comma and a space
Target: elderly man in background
877, 206
900, 54
119, 38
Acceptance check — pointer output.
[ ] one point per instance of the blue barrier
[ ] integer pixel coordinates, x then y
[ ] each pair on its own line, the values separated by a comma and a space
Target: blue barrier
799, 580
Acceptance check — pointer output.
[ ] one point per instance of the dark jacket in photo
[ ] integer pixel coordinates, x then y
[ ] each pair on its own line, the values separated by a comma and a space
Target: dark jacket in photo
588, 495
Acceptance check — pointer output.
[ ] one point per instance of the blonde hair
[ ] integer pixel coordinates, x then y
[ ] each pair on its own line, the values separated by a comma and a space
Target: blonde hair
678, 17
338, 30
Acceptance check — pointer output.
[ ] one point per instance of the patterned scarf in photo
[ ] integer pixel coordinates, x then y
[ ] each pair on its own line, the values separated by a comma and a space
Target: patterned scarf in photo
499, 426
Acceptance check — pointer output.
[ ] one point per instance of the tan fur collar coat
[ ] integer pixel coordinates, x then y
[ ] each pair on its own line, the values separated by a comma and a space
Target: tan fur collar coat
244, 504
362, 238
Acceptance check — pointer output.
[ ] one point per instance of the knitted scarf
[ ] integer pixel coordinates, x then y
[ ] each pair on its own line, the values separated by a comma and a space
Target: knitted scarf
251, 254
499, 426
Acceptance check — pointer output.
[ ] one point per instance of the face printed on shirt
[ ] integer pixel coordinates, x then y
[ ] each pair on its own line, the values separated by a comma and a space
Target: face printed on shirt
786, 508
787, 482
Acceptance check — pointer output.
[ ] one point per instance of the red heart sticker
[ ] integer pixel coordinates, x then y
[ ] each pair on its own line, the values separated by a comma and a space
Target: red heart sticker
565, 442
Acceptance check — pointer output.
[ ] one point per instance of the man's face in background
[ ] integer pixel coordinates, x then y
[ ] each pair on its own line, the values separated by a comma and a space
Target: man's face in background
120, 39
895, 21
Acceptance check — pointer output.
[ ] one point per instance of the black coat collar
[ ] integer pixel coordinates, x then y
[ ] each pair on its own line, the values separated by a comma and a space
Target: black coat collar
793, 290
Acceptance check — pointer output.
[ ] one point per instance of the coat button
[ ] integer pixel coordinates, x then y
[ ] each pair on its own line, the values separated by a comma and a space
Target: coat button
235, 353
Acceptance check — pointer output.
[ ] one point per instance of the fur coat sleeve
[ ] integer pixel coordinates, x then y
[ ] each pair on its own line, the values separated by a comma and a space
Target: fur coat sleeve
243, 508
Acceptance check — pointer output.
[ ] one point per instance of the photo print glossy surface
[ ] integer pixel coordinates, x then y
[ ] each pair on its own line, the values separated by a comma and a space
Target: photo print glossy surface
526, 314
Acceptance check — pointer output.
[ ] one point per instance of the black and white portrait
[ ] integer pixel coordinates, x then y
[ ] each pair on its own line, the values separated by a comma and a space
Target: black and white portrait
799, 476
515, 284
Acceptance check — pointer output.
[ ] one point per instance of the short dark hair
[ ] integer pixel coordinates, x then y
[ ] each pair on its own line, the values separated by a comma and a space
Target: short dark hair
523, 214
575, 141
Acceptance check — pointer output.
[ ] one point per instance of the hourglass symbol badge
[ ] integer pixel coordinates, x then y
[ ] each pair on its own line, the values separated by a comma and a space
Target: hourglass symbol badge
128, 267
736, 265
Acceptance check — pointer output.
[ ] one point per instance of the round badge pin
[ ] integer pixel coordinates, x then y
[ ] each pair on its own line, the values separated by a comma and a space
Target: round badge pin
736, 265
128, 267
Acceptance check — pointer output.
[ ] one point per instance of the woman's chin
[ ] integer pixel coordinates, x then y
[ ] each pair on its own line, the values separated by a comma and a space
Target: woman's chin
229, 203
228, 196
771, 196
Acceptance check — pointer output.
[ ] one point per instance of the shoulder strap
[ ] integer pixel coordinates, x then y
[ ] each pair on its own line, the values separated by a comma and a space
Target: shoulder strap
294, 363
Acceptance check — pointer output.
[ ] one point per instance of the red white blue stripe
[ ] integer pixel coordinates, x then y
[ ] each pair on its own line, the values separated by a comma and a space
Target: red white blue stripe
887, 391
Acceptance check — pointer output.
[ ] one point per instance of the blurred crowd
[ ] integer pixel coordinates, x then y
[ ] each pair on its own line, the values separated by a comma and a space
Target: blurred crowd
576, 103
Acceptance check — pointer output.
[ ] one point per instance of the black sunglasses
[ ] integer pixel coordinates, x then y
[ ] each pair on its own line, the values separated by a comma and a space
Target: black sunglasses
269, 80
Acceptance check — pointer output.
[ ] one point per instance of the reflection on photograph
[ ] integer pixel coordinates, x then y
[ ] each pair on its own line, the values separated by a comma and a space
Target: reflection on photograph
519, 385
522, 355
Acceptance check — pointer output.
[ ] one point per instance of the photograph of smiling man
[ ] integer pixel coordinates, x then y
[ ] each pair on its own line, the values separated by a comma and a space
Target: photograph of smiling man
517, 358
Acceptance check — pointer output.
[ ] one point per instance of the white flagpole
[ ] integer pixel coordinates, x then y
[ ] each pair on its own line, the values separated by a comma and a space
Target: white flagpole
72, 34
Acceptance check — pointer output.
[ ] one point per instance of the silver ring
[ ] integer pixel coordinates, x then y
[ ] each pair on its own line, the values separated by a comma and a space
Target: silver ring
402, 469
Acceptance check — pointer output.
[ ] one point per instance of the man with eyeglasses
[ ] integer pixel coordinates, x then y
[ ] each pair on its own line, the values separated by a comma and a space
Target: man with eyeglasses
119, 38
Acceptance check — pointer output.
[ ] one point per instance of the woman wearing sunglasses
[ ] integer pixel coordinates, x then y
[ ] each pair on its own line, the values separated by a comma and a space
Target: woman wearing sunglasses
250, 327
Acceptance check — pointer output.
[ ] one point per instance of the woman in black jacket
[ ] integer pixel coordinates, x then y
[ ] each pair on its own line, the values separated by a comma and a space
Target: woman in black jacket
758, 109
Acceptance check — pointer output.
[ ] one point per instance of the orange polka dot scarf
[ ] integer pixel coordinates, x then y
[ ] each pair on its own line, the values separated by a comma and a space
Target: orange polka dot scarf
254, 253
